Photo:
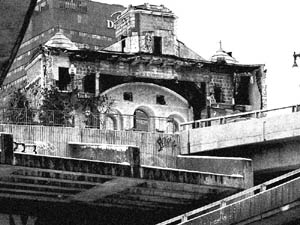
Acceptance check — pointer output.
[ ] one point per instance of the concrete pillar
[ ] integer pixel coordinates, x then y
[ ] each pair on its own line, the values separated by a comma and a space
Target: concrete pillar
133, 154
97, 77
6, 145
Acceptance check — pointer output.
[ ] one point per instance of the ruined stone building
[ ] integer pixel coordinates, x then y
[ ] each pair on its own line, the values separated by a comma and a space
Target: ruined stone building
148, 73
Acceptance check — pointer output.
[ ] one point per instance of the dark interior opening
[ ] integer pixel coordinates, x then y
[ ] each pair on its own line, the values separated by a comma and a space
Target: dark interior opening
242, 97
89, 83
157, 46
218, 94
127, 96
160, 99
64, 78
123, 42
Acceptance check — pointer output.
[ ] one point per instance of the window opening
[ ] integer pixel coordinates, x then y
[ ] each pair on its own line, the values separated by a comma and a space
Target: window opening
160, 99
110, 123
218, 94
89, 83
157, 46
141, 120
127, 96
64, 78
242, 97
172, 125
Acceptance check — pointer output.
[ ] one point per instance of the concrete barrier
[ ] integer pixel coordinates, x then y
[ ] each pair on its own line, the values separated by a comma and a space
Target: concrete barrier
248, 132
220, 165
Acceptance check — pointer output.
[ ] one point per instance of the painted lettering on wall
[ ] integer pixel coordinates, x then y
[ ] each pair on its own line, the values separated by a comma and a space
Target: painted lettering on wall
165, 142
110, 24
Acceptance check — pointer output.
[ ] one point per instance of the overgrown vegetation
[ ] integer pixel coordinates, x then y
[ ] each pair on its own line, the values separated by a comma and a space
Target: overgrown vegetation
59, 108
18, 110
14, 106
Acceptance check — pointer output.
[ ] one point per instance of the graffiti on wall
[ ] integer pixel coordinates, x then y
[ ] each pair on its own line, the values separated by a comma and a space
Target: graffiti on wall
166, 142
39, 147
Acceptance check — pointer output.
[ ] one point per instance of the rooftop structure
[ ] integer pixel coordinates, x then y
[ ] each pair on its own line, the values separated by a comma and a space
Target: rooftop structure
223, 56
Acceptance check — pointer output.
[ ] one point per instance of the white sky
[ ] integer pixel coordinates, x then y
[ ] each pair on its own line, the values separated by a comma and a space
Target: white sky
256, 31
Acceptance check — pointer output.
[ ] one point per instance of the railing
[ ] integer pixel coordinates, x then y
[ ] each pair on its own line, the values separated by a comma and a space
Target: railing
157, 149
104, 121
235, 117
269, 187
36, 117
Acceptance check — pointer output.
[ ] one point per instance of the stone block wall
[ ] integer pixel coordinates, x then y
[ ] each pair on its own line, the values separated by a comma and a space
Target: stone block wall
225, 82
155, 22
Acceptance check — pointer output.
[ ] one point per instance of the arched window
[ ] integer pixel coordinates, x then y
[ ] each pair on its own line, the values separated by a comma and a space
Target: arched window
141, 120
110, 123
172, 125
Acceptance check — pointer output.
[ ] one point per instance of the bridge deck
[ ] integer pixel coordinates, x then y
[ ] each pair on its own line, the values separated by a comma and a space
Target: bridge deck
240, 130
157, 194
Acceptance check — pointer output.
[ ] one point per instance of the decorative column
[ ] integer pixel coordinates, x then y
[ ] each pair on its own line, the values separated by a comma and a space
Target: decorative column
97, 77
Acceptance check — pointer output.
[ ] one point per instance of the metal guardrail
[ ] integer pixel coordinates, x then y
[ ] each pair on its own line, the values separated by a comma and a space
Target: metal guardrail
231, 200
104, 121
239, 116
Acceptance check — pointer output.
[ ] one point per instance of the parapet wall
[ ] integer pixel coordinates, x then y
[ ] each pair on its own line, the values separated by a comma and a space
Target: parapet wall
219, 165
252, 131
157, 149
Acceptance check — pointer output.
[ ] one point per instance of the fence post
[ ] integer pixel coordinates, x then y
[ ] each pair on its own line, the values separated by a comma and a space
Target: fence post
53, 123
184, 218
263, 187
26, 116
133, 154
257, 115
6, 145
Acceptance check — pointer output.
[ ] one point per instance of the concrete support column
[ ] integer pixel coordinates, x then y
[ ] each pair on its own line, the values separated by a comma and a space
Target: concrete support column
133, 154
6, 145
97, 77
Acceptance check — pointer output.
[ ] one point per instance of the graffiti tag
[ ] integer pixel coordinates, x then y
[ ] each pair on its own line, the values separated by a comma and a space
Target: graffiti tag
165, 142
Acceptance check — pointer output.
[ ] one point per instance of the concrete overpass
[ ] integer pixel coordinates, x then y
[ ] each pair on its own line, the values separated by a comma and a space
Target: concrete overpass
54, 190
269, 139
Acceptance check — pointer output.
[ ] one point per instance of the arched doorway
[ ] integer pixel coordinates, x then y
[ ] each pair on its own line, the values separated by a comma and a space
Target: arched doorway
141, 120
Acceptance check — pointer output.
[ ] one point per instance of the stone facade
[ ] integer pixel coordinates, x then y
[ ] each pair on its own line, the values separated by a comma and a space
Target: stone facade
149, 72
145, 97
